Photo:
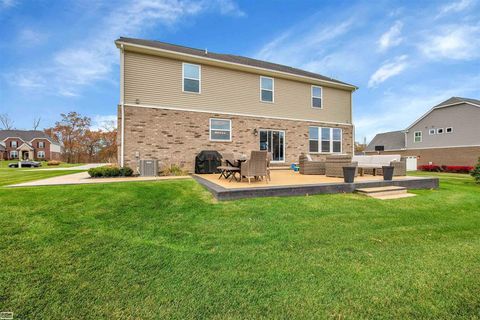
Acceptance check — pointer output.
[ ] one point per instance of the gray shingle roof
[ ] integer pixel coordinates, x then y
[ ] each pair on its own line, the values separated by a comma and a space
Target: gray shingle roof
393, 140
453, 100
25, 135
229, 58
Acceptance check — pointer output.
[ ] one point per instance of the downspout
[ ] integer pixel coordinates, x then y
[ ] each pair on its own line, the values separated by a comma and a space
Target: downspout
351, 121
122, 106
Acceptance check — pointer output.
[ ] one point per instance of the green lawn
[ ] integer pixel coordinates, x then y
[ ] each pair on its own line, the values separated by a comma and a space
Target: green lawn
142, 250
10, 176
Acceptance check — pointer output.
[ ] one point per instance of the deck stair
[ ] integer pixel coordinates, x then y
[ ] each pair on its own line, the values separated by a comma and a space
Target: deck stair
385, 193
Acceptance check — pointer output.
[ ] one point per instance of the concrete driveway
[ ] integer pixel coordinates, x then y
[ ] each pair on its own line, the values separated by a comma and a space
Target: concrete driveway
82, 167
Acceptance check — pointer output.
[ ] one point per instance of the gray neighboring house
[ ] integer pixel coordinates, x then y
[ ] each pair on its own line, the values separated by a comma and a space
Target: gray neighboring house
448, 134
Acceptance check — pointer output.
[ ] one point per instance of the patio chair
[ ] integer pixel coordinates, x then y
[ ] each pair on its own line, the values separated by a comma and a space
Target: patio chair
229, 166
309, 166
335, 163
256, 166
228, 159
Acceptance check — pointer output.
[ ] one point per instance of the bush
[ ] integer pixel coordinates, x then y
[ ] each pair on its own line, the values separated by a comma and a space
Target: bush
173, 170
457, 169
429, 167
475, 173
110, 171
53, 163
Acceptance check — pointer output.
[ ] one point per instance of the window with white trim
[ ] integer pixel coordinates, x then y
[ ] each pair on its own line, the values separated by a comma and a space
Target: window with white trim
41, 154
324, 140
449, 130
13, 154
220, 129
266, 89
317, 101
417, 136
191, 78
440, 131
13, 144
431, 131
41, 144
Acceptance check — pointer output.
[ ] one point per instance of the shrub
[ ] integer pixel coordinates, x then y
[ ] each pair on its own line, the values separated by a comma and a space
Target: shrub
110, 171
429, 167
475, 173
457, 169
53, 163
173, 170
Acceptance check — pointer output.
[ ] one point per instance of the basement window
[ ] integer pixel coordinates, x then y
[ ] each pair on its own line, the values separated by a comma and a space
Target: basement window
191, 78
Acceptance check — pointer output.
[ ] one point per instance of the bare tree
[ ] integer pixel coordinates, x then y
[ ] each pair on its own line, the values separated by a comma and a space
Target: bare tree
36, 122
6, 122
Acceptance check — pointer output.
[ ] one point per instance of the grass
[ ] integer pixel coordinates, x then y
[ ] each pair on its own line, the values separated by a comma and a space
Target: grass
10, 176
148, 250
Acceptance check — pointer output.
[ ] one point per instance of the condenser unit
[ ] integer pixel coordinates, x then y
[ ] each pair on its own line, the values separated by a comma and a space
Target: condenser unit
148, 168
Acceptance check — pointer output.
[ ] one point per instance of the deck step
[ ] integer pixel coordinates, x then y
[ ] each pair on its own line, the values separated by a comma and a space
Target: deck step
395, 196
389, 192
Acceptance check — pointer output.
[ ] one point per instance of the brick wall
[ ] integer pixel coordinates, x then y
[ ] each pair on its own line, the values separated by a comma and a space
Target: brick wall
175, 137
460, 156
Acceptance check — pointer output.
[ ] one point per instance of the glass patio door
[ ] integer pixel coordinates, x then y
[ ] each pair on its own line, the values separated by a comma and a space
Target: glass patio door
273, 141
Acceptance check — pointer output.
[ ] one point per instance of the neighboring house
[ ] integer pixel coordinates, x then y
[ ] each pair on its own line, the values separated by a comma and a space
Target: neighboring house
176, 101
28, 144
448, 134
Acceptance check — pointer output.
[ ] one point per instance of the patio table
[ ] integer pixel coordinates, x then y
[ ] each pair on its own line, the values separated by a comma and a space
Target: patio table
361, 169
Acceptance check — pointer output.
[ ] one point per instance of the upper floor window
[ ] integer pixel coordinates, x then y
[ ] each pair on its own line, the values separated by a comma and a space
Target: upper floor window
431, 131
13, 144
449, 130
417, 136
266, 89
220, 129
41, 154
317, 97
328, 140
41, 144
439, 130
191, 78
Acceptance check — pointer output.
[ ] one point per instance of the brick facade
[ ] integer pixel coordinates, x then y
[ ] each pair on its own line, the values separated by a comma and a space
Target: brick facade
458, 156
49, 155
175, 137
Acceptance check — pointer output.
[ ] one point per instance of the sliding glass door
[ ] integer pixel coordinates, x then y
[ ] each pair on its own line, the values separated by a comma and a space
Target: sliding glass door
273, 141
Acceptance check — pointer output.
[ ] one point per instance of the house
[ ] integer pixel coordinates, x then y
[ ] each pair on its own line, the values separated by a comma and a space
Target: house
28, 145
176, 101
448, 134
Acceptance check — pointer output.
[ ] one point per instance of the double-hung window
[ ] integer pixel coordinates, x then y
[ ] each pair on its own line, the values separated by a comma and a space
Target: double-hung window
317, 97
325, 140
191, 78
13, 144
41, 144
266, 89
220, 129
13, 154
41, 154
417, 136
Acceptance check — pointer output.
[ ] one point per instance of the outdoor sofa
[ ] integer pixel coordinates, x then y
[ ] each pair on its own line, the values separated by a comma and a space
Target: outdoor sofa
373, 164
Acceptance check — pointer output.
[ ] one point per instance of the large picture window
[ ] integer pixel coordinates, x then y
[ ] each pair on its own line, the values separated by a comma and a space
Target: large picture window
41, 154
220, 130
325, 140
191, 78
266, 89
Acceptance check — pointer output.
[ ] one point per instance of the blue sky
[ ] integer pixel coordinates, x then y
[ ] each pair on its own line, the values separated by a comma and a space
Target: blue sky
405, 56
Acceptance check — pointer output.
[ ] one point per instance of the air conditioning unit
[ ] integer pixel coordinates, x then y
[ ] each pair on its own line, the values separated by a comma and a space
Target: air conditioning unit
148, 168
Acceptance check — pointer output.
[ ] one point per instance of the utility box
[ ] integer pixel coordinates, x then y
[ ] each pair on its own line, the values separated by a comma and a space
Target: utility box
148, 168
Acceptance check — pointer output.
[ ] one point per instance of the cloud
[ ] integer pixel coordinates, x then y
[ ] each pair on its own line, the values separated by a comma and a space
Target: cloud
392, 37
103, 122
82, 64
453, 7
388, 70
229, 7
457, 42
28, 37
7, 3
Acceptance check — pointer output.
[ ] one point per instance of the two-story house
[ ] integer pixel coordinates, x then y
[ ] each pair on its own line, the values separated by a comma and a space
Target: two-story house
448, 134
176, 101
28, 145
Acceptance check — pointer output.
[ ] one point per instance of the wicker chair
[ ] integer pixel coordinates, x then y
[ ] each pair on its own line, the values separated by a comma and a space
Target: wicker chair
335, 163
230, 158
308, 166
256, 166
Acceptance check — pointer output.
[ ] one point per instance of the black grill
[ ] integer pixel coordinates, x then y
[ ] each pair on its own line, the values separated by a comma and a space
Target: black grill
207, 161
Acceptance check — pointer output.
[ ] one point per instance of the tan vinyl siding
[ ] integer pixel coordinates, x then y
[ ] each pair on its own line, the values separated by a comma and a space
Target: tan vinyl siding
157, 81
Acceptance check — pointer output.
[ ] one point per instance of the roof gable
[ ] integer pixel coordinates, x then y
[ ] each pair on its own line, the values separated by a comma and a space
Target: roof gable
394, 140
25, 135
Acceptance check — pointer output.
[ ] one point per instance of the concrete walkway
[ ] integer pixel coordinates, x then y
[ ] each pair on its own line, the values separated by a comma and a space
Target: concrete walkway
84, 178
82, 167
